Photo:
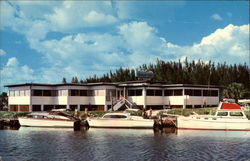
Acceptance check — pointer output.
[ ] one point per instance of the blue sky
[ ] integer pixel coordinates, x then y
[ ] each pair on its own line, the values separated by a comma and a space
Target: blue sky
43, 41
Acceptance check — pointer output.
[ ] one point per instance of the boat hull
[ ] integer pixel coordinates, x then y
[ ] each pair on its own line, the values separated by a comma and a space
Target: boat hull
120, 123
29, 122
213, 123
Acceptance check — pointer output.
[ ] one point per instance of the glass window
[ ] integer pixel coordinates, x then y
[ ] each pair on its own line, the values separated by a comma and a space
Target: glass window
222, 113
131, 92
46, 92
74, 92
17, 93
168, 92
91, 93
214, 93
115, 116
158, 92
22, 92
150, 92
27, 92
54, 92
236, 114
64, 92
206, 93
11, 93
83, 93
197, 92
138, 92
178, 92
37, 92
189, 92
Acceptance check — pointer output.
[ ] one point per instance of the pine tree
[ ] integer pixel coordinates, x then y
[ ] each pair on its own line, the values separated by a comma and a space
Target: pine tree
64, 81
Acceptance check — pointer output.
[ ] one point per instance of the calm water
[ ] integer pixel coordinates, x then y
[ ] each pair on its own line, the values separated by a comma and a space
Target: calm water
123, 144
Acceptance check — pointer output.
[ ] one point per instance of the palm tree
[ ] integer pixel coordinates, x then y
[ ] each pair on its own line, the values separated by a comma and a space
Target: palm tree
235, 91
3, 100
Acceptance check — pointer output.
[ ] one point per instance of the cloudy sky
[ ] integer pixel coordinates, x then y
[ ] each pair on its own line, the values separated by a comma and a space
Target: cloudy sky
45, 41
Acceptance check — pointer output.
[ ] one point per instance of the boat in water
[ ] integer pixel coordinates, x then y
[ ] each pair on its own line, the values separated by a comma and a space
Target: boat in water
120, 120
229, 116
47, 119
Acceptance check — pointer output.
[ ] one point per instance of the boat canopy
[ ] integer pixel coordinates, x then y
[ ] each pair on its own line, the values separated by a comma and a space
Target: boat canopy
230, 106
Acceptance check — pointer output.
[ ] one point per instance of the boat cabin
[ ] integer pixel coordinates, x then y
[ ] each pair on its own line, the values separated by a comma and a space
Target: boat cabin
227, 109
116, 115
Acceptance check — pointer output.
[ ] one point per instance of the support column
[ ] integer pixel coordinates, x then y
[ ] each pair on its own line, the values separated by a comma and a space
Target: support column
144, 97
78, 107
42, 107
105, 107
124, 93
30, 108
18, 108
67, 107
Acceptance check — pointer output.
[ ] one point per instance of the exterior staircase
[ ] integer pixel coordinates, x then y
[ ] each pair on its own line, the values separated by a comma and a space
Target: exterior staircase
124, 104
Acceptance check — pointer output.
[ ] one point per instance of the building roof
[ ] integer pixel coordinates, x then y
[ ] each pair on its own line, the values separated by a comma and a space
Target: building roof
119, 84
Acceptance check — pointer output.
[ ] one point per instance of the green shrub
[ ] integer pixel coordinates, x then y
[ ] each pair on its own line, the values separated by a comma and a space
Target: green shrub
12, 115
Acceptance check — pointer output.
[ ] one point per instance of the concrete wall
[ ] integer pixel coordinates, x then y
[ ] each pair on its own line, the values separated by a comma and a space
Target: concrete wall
19, 100
139, 100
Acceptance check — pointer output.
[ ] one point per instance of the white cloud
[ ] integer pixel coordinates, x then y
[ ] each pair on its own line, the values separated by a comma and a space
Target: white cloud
84, 53
13, 72
12, 62
74, 15
94, 18
2, 52
216, 17
135, 43
230, 44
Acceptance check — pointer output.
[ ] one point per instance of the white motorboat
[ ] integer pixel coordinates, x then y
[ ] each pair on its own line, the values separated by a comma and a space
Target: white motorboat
45, 119
120, 120
229, 116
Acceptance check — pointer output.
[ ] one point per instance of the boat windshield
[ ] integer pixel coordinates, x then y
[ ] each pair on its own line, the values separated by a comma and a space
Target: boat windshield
236, 114
115, 116
222, 113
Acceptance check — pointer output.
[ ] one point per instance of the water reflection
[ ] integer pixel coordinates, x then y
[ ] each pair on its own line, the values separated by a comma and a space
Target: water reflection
122, 144
208, 133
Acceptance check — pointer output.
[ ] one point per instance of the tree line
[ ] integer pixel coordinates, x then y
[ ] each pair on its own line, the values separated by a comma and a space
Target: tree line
177, 72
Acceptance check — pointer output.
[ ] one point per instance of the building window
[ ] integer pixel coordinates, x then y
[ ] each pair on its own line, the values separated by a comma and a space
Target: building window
27, 92
17, 93
150, 92
11, 93
168, 92
178, 92
46, 92
37, 92
102, 92
136, 92
36, 107
197, 92
22, 92
210, 92
83, 93
62, 92
154, 92
214, 93
189, 92
74, 92
91, 93
206, 93
158, 92
131, 92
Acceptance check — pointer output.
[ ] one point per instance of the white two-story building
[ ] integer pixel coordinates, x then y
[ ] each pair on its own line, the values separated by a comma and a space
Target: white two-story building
102, 96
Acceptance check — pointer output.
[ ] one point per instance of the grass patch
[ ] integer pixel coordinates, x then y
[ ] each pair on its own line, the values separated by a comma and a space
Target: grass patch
187, 112
12, 115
